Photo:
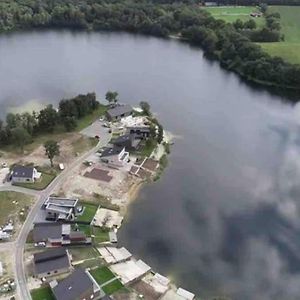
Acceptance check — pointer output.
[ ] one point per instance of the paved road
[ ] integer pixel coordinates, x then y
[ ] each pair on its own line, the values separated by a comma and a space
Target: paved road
20, 273
12, 188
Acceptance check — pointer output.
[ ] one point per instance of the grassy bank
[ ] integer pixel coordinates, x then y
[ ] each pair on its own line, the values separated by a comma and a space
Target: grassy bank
289, 49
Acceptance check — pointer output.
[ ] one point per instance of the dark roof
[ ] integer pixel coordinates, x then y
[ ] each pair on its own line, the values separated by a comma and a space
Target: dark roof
123, 139
119, 110
140, 128
51, 260
49, 254
106, 297
22, 172
73, 286
112, 151
77, 235
43, 231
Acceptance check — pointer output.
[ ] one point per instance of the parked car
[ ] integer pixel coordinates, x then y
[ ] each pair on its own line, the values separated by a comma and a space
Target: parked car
4, 165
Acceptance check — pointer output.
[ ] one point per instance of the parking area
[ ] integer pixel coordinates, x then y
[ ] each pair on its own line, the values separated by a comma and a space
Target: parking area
96, 129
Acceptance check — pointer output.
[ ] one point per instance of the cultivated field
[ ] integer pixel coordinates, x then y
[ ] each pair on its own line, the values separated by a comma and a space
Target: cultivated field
232, 13
290, 23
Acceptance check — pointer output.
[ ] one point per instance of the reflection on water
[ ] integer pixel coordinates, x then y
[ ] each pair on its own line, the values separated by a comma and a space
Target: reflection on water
224, 218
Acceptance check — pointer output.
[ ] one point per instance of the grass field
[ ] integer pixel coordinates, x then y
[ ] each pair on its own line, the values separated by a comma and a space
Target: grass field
101, 235
232, 13
102, 275
43, 293
112, 287
8, 208
88, 212
290, 27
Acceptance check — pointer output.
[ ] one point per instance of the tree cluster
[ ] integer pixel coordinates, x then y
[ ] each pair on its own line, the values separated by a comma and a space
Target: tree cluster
20, 129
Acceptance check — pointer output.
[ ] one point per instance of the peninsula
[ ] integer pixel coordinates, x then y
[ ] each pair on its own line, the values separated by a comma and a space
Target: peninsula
78, 200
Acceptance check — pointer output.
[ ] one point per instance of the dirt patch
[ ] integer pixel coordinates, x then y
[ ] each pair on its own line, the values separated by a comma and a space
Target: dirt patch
99, 174
146, 290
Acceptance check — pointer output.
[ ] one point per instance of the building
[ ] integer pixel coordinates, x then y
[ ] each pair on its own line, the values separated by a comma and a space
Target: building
23, 174
128, 141
60, 209
56, 235
51, 262
80, 285
141, 132
115, 157
119, 112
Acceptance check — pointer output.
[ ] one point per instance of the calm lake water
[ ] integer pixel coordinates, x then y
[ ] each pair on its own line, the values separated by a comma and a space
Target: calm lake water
224, 218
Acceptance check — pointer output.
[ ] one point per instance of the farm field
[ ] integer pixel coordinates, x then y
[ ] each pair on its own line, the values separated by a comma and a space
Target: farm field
289, 49
232, 13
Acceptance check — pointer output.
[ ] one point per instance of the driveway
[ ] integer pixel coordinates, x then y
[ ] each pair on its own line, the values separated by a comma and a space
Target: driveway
96, 129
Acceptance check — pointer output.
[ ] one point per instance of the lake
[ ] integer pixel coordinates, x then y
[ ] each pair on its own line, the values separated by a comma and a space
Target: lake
224, 218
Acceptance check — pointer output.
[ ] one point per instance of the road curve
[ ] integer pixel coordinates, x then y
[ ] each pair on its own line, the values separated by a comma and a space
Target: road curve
20, 273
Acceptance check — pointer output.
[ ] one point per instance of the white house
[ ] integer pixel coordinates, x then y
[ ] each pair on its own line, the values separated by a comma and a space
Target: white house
24, 174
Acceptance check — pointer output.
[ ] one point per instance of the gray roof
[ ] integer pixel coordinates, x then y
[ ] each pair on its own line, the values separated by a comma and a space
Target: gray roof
73, 286
119, 110
44, 231
112, 151
22, 172
51, 260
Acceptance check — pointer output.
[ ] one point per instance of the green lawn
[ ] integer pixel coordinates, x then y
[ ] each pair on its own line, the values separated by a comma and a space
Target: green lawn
84, 228
8, 209
102, 275
83, 253
43, 293
150, 145
112, 287
88, 213
290, 27
38, 185
101, 235
232, 13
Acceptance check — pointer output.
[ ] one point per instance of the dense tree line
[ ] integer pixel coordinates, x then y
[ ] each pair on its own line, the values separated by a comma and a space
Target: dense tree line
226, 42
20, 129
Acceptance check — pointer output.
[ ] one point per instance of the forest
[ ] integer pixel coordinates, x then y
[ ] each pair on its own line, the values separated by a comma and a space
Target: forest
234, 45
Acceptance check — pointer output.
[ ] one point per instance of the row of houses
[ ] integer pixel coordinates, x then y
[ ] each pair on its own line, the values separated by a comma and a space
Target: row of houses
118, 154
77, 286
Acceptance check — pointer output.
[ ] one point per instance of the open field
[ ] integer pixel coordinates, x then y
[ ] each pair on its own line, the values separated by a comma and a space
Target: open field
11, 204
290, 27
232, 13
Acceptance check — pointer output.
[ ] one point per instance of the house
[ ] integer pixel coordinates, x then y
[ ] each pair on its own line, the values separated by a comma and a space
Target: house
80, 285
119, 112
115, 157
23, 174
56, 235
141, 132
60, 209
128, 141
51, 262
